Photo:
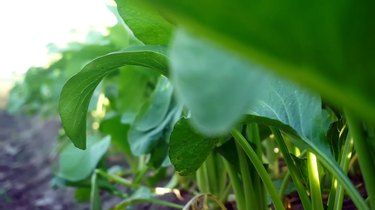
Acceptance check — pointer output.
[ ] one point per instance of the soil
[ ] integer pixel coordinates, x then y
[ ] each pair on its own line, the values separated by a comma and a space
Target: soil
26, 156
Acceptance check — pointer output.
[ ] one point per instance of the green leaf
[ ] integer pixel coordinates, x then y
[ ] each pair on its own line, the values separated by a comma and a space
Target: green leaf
112, 126
298, 113
188, 149
157, 107
76, 93
294, 107
331, 52
75, 164
82, 194
216, 86
146, 24
130, 88
153, 120
143, 142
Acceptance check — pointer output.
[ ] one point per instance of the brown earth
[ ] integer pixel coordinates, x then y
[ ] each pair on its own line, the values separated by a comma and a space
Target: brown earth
27, 153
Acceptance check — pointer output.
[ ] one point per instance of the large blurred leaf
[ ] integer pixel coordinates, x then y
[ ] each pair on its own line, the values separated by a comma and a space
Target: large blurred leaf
75, 164
216, 86
188, 149
76, 93
325, 45
146, 24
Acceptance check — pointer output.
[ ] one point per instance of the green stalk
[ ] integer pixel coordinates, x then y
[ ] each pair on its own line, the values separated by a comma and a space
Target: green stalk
316, 194
115, 178
201, 180
250, 198
284, 184
253, 134
259, 168
344, 163
130, 202
364, 157
295, 174
236, 184
212, 175
337, 172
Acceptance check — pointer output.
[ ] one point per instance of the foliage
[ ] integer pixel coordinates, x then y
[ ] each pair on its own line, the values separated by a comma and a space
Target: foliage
217, 92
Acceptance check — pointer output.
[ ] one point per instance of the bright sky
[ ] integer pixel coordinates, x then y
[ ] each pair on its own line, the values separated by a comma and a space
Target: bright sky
27, 26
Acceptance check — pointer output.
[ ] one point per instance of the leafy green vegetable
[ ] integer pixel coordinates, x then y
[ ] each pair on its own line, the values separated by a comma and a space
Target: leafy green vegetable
299, 113
331, 52
143, 142
216, 86
112, 126
188, 149
128, 90
146, 24
76, 93
157, 107
296, 108
75, 164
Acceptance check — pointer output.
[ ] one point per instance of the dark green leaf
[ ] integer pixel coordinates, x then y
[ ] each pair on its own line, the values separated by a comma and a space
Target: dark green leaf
82, 194
188, 149
228, 151
216, 86
146, 24
325, 45
75, 164
112, 126
76, 94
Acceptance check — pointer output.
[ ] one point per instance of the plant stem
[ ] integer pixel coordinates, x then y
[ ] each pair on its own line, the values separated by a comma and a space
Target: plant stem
248, 188
337, 172
316, 194
295, 174
344, 163
114, 178
364, 156
253, 133
284, 184
259, 168
236, 184
129, 202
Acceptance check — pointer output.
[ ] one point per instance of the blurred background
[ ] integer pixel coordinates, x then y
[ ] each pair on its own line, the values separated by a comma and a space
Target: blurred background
43, 43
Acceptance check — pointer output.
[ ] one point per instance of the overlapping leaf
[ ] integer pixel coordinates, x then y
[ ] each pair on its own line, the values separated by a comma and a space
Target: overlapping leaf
77, 92
146, 24
188, 149
215, 85
76, 164
328, 46
153, 120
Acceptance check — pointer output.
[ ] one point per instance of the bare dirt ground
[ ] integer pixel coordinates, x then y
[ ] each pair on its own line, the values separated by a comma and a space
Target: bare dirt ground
26, 157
